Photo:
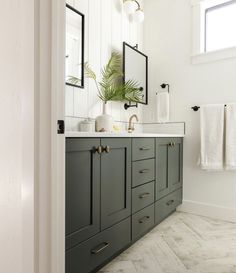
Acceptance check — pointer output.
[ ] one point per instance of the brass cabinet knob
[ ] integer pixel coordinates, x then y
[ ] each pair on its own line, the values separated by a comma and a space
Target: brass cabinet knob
172, 144
98, 150
106, 149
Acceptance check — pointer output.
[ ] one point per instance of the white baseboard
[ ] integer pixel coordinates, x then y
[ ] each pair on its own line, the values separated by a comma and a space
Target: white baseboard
208, 210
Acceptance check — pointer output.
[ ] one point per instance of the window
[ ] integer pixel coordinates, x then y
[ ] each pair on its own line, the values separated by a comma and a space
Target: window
220, 26
214, 30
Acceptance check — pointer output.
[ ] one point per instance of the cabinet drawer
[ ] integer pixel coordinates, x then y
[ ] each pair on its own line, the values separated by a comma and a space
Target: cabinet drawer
143, 172
166, 205
142, 221
142, 196
143, 148
90, 254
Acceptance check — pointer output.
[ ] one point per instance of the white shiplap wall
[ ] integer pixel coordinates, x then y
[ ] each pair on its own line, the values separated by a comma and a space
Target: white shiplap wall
106, 27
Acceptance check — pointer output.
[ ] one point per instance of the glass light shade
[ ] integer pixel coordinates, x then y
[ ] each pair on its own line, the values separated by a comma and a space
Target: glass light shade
139, 16
130, 6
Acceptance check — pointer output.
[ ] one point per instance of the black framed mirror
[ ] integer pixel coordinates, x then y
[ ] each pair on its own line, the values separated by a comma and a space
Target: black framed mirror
135, 67
74, 67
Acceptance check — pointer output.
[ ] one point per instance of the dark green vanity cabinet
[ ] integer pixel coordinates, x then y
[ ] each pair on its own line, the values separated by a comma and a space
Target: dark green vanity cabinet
117, 189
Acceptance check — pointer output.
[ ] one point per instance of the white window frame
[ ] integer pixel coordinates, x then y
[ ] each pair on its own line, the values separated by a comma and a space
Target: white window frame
198, 34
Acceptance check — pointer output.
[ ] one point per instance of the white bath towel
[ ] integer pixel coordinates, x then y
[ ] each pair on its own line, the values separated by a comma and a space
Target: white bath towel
212, 137
230, 137
163, 107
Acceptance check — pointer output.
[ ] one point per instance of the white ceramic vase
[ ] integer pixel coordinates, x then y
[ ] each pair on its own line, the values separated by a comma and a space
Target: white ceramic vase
104, 123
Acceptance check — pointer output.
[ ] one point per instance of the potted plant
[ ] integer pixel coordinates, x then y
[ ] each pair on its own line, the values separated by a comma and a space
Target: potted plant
111, 88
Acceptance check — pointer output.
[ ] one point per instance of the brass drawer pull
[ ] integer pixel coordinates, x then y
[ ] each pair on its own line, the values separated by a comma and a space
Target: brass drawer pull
170, 202
144, 149
141, 196
106, 149
142, 220
98, 150
100, 249
144, 171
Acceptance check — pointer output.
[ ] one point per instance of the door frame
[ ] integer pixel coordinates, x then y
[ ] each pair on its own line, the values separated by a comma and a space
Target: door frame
57, 140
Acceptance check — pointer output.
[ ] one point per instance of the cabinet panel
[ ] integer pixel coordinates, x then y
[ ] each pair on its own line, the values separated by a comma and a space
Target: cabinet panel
175, 164
88, 255
142, 221
115, 181
169, 165
166, 205
162, 183
142, 196
82, 190
143, 171
143, 148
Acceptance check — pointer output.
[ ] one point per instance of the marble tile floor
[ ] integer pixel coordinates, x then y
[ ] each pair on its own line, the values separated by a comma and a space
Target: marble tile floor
183, 243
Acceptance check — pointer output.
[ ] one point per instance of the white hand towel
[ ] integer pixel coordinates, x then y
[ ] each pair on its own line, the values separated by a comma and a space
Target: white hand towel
230, 137
212, 137
163, 107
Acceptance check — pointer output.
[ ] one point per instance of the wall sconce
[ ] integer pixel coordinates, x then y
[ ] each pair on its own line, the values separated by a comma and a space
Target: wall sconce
133, 7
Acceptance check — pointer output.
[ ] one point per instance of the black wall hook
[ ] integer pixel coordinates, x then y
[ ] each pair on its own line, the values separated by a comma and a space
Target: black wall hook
164, 85
195, 108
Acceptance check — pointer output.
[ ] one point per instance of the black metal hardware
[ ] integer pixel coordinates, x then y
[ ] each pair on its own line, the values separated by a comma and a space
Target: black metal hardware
144, 171
100, 249
60, 127
164, 86
127, 106
141, 196
135, 48
170, 202
142, 220
82, 46
196, 108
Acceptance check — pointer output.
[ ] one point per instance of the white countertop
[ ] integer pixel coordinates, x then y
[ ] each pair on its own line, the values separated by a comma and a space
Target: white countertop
121, 134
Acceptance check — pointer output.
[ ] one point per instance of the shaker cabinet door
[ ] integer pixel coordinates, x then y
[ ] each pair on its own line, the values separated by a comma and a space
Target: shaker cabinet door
115, 180
82, 190
175, 164
162, 183
169, 165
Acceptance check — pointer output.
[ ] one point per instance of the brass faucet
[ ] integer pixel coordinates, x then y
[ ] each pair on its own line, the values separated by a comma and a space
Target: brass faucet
131, 127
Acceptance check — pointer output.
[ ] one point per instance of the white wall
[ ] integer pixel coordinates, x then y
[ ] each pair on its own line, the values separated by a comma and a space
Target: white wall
106, 27
167, 41
17, 136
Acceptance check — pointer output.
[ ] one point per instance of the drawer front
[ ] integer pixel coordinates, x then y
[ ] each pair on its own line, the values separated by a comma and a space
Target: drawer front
142, 196
142, 221
90, 254
167, 205
143, 172
143, 148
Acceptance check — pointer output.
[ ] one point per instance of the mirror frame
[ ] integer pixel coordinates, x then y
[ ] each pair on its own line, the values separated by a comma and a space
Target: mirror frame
146, 57
82, 47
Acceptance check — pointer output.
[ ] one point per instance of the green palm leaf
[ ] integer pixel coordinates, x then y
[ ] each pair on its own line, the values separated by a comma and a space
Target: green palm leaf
111, 86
